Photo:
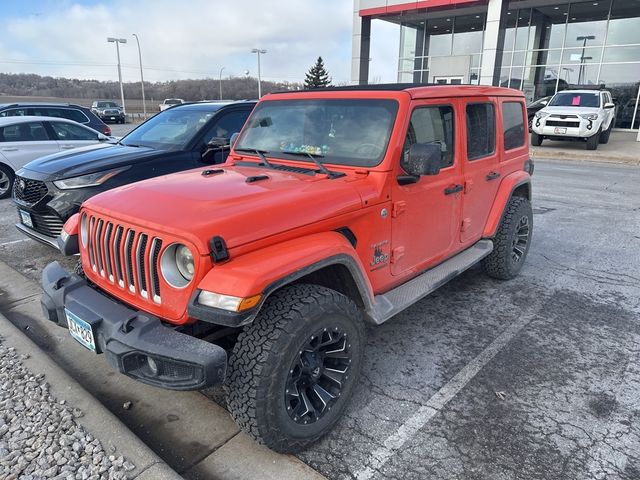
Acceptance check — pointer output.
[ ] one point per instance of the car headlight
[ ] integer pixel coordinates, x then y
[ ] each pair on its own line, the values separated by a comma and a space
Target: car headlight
90, 180
541, 114
177, 265
589, 116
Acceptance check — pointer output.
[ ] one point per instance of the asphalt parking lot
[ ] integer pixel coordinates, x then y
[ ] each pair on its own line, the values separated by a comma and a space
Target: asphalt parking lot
538, 377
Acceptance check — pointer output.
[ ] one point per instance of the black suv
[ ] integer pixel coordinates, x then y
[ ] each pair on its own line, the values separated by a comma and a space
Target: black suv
108, 111
69, 111
47, 191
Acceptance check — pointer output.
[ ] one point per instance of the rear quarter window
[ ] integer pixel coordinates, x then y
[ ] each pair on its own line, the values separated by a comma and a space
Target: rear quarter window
481, 130
513, 125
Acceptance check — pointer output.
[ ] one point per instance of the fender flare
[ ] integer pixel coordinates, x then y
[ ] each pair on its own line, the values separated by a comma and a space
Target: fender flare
266, 270
507, 187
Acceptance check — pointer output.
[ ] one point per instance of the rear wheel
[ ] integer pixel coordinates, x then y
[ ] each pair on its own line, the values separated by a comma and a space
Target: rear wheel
292, 371
6, 181
536, 140
512, 240
592, 141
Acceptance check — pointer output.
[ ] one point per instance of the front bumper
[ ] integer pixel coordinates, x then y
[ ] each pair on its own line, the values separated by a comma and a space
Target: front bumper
129, 338
585, 130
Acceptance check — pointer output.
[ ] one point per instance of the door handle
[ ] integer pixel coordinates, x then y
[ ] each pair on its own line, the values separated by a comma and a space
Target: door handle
453, 189
492, 175
10, 149
66, 147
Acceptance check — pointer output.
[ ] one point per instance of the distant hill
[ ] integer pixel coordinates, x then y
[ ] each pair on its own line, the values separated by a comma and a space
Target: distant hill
235, 88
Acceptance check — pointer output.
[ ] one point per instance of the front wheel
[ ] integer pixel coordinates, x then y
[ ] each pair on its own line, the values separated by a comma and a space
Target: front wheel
512, 240
6, 181
536, 140
592, 141
292, 371
604, 136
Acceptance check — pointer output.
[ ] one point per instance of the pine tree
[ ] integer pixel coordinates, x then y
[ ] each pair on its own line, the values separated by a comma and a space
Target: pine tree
318, 76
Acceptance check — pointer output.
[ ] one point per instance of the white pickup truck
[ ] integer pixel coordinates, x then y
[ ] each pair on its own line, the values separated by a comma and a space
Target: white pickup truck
170, 102
587, 115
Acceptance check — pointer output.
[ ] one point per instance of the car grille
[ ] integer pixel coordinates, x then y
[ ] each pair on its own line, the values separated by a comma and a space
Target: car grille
47, 224
125, 257
560, 123
29, 191
112, 112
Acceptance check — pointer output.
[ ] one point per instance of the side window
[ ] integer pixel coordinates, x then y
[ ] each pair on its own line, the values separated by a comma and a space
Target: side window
73, 114
513, 125
431, 125
24, 132
69, 132
226, 125
14, 112
481, 130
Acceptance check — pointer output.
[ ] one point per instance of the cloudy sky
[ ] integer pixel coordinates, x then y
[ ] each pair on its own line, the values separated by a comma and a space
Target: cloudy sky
187, 38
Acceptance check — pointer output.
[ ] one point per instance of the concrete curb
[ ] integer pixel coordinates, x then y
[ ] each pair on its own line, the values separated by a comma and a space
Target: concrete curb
97, 420
577, 156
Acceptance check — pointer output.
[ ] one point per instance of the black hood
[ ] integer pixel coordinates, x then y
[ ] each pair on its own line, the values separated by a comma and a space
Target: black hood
93, 158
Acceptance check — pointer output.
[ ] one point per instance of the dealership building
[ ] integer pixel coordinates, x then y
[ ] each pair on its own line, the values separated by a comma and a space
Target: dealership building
537, 46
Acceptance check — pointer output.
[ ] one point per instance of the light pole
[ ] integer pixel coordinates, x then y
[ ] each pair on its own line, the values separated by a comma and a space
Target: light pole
221, 82
117, 41
584, 39
259, 51
144, 104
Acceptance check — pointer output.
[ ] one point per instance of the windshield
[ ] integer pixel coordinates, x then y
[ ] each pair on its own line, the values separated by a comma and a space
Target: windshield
172, 101
107, 105
575, 99
169, 130
344, 132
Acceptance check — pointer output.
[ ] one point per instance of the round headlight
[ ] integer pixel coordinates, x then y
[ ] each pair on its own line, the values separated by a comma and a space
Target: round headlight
84, 231
185, 263
177, 265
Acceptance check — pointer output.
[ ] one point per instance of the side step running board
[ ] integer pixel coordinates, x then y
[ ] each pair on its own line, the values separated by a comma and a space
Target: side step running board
394, 301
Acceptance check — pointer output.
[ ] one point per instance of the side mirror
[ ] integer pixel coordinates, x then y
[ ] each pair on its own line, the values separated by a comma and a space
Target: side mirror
102, 137
544, 103
217, 142
424, 159
609, 105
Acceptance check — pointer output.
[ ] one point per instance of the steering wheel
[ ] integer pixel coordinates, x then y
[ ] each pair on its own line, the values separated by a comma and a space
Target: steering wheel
369, 148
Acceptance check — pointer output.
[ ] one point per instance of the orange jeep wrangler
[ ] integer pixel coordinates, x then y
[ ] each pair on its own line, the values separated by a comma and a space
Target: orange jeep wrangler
336, 207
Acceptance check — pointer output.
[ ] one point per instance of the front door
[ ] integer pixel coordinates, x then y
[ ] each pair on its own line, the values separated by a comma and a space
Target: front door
425, 214
481, 168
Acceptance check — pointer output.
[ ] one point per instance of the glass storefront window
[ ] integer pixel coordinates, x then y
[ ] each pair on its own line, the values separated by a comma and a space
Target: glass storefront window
624, 25
572, 56
553, 19
467, 34
522, 31
587, 23
622, 54
408, 34
439, 37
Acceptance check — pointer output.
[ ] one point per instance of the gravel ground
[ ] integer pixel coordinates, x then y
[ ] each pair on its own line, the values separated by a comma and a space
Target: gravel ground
39, 435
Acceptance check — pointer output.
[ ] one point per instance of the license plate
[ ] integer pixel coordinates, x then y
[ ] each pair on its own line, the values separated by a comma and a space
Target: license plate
25, 217
80, 330
113, 118
560, 130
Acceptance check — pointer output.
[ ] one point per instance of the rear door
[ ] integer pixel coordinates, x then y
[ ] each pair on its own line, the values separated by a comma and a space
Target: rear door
20, 143
70, 135
426, 214
480, 165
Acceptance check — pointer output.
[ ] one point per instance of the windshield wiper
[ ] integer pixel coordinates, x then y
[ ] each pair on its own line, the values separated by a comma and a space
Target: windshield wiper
260, 153
315, 158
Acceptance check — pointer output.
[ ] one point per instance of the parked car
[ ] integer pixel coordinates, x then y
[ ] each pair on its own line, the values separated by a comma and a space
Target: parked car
336, 207
108, 111
181, 138
69, 111
170, 102
534, 107
582, 115
23, 139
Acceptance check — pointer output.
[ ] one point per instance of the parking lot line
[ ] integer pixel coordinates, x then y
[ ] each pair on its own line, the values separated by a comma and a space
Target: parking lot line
437, 402
14, 241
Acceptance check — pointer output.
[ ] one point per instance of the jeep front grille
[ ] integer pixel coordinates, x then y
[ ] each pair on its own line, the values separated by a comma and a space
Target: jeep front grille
125, 257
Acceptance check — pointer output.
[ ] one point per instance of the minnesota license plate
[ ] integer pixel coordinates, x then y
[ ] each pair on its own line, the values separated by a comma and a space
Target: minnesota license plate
560, 130
80, 330
25, 218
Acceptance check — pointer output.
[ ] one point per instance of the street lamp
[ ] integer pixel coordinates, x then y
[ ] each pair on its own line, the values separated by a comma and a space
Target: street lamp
117, 41
221, 82
144, 104
583, 38
259, 51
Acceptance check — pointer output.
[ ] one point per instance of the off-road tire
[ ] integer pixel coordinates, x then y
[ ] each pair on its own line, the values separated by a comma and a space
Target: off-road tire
262, 359
604, 136
592, 141
10, 176
500, 263
536, 140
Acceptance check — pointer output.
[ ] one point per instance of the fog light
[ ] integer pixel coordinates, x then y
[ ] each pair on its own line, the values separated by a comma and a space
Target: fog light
153, 366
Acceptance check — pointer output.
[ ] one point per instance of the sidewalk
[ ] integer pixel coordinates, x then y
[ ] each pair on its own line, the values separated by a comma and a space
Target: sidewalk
622, 148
